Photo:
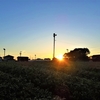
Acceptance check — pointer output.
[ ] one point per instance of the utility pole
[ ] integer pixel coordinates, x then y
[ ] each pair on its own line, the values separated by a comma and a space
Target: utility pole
54, 44
4, 51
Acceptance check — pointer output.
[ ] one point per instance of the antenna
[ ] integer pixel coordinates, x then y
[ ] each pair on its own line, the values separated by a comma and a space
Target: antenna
54, 44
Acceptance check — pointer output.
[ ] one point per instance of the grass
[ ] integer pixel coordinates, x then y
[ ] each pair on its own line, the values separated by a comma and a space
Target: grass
49, 80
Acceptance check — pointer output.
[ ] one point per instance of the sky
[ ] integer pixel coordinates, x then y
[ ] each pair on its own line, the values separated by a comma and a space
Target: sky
28, 26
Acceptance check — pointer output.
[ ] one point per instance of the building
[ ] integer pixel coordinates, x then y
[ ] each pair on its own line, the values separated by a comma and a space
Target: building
22, 58
8, 58
95, 58
47, 59
0, 59
39, 59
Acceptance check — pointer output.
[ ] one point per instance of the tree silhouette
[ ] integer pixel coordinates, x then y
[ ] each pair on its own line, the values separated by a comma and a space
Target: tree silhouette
78, 54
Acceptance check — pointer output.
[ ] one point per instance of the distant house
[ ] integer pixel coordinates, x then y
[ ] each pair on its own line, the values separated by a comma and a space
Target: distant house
0, 59
8, 58
95, 58
39, 59
22, 58
47, 59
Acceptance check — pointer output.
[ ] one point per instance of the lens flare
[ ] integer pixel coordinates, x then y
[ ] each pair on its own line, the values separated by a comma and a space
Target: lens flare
60, 57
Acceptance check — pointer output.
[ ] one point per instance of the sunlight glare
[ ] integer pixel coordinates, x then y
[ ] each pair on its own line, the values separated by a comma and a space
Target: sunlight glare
60, 57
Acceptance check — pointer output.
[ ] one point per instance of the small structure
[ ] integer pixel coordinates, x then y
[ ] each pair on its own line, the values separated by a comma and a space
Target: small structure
47, 59
39, 59
8, 58
95, 58
22, 58
0, 59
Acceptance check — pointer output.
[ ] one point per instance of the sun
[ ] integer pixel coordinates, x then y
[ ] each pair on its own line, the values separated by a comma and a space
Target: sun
60, 57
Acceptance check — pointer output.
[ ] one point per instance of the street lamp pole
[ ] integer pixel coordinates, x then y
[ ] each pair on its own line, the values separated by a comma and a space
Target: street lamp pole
35, 56
67, 50
4, 51
20, 53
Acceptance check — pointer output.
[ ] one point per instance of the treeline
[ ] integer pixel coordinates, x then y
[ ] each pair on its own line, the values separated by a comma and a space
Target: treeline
78, 54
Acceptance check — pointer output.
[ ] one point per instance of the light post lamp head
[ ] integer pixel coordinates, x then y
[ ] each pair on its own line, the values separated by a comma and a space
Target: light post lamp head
4, 49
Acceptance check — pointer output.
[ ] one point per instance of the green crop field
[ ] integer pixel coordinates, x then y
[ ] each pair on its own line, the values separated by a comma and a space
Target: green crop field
47, 80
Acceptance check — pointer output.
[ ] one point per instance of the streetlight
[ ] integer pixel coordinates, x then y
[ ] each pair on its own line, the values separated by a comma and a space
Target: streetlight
4, 51
67, 50
35, 56
20, 53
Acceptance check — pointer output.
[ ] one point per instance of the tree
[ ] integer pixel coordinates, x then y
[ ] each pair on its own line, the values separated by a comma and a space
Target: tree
78, 54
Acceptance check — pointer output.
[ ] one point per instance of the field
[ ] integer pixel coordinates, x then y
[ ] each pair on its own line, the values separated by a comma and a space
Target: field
49, 80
